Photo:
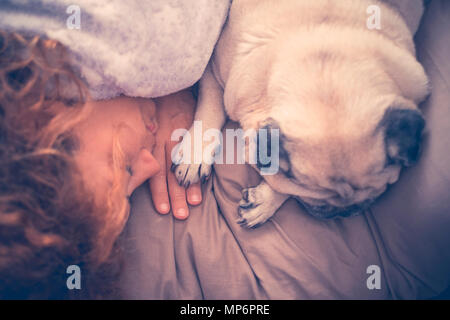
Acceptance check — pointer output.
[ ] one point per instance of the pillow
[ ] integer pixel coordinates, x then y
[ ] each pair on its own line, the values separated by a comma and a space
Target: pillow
136, 48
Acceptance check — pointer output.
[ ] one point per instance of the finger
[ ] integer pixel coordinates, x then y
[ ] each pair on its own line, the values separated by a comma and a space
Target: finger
177, 193
158, 183
194, 194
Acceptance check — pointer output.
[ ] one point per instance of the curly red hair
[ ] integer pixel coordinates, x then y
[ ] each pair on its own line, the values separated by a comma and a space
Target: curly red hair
46, 215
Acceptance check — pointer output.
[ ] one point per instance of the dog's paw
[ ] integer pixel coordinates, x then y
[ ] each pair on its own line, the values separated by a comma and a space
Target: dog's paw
254, 208
186, 174
191, 164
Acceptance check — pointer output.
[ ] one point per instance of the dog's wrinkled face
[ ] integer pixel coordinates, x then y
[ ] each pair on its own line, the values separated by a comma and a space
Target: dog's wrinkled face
343, 138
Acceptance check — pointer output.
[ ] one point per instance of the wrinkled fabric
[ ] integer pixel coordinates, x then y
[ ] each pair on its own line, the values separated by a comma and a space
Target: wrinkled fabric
293, 255
411, 222
133, 47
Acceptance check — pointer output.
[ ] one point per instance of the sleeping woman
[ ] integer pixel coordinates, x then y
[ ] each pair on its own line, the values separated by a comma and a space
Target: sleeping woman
75, 139
68, 165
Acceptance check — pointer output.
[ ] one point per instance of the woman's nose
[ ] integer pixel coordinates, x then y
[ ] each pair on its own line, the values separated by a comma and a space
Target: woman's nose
144, 167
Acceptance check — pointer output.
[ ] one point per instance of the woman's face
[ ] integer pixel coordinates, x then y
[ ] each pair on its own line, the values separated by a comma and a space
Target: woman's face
115, 147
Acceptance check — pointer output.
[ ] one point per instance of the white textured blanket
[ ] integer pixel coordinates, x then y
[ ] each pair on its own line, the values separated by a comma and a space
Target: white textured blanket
145, 48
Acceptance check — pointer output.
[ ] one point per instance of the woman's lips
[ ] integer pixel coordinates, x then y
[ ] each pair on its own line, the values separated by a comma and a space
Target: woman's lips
152, 126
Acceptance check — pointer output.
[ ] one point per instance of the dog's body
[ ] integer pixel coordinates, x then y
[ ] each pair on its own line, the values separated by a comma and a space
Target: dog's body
344, 97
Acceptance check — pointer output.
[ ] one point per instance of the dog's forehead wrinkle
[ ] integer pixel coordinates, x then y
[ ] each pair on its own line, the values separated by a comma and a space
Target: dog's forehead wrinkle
317, 120
326, 91
355, 156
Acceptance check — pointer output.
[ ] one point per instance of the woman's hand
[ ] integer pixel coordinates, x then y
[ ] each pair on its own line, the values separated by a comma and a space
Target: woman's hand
174, 111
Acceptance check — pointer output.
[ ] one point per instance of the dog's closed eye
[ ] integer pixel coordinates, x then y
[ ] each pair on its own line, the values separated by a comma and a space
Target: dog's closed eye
271, 136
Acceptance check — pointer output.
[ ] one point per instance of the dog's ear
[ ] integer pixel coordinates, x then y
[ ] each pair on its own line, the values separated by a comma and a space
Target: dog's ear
283, 158
265, 128
403, 131
405, 70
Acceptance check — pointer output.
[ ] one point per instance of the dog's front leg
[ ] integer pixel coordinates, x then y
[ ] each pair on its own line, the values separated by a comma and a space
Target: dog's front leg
258, 204
210, 114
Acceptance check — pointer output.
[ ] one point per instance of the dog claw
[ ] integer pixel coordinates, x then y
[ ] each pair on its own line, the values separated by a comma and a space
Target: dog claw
246, 205
186, 175
245, 224
205, 178
245, 194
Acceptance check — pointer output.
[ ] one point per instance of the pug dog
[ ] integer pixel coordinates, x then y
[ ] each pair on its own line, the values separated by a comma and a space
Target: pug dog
341, 91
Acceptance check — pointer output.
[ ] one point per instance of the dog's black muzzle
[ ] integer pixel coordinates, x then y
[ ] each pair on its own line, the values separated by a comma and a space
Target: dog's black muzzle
328, 211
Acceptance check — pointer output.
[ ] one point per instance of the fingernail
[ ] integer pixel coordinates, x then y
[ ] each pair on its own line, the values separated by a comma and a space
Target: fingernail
195, 198
164, 208
181, 213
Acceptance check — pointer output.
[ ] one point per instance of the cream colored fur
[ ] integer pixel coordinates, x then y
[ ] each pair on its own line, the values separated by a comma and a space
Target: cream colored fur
326, 79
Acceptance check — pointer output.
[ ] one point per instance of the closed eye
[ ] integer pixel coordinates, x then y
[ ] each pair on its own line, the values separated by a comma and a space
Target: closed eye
129, 170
